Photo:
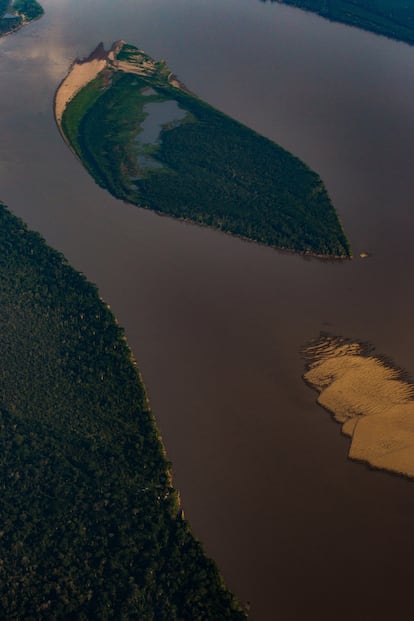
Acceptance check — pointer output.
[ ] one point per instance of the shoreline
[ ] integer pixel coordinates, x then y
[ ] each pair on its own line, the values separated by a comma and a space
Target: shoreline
98, 54
348, 16
370, 396
97, 455
81, 72
22, 25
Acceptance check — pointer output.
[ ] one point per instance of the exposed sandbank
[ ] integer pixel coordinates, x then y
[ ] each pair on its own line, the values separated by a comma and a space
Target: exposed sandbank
370, 397
85, 70
80, 74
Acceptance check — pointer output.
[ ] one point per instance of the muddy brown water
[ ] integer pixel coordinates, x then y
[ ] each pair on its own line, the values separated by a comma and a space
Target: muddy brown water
217, 324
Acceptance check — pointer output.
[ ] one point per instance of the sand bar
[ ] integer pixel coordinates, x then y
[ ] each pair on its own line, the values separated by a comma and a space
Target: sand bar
370, 397
80, 74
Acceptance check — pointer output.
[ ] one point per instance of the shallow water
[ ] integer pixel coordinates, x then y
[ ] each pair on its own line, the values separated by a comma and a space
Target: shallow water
159, 114
217, 324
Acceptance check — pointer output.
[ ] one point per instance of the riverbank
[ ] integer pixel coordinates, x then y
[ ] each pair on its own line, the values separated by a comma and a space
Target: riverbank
81, 72
204, 167
89, 501
15, 15
391, 18
370, 397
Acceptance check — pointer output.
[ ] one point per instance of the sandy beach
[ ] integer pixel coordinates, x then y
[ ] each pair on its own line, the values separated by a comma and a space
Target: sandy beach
80, 74
370, 397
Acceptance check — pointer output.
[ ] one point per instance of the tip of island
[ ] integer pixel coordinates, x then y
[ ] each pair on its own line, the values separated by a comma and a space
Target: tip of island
148, 140
369, 396
14, 14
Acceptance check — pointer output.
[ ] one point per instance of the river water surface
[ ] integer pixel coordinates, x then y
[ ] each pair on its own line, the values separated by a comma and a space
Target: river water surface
216, 323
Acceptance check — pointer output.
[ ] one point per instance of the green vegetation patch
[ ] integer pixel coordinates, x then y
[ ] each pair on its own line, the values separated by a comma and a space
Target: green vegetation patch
4, 5
90, 526
28, 9
391, 18
14, 14
202, 166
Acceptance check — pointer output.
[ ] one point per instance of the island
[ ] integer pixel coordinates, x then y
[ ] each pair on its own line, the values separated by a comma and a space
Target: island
369, 396
16, 13
90, 523
147, 139
391, 18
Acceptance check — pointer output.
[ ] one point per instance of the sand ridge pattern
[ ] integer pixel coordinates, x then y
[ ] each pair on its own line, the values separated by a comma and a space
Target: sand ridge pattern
369, 396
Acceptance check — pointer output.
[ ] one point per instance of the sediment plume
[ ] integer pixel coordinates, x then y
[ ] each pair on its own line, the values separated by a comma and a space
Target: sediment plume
369, 396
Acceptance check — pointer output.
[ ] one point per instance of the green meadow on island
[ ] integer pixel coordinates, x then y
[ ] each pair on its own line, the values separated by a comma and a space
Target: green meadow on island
15, 14
149, 141
91, 527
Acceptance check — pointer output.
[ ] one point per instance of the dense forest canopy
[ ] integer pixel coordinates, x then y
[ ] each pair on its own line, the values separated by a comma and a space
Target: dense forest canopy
90, 525
201, 165
15, 14
391, 18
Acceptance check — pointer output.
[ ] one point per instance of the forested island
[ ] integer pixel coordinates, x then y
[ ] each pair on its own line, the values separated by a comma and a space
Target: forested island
391, 18
148, 140
90, 524
16, 13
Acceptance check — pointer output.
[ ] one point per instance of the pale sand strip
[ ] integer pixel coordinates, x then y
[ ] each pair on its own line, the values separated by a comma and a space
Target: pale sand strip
80, 74
371, 398
84, 71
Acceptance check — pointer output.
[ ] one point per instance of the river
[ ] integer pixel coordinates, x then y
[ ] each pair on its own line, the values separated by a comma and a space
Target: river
217, 324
